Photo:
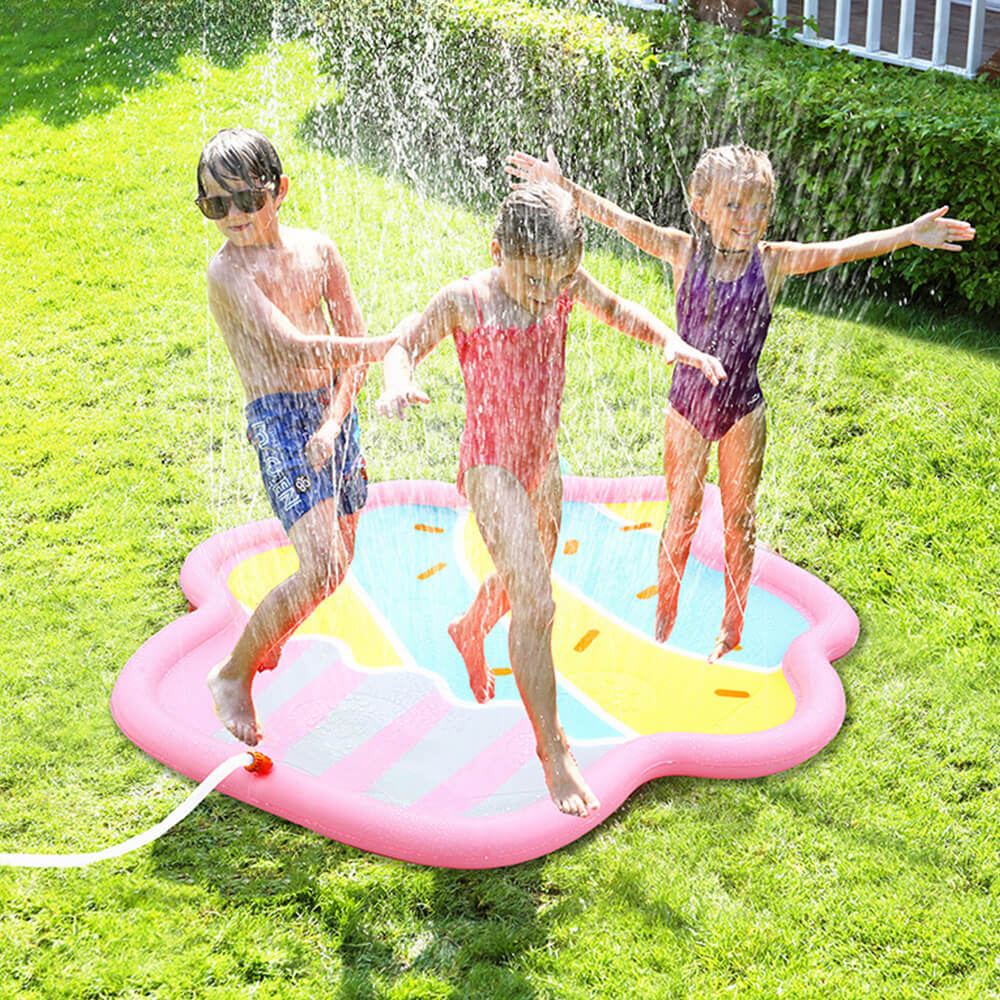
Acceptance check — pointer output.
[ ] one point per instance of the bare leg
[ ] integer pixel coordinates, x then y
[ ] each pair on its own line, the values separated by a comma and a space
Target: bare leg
469, 632
490, 604
508, 522
685, 465
741, 460
270, 660
324, 544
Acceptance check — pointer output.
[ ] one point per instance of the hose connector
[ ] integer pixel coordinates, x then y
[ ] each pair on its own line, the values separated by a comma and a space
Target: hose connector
261, 763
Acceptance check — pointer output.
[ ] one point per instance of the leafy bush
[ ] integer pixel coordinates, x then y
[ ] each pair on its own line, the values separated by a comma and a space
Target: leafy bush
445, 88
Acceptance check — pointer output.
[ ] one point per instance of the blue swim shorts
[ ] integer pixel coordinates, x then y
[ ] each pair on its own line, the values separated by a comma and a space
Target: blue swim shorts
278, 426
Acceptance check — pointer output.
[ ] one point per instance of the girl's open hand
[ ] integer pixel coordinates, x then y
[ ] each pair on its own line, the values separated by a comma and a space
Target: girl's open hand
711, 367
936, 232
394, 404
525, 167
708, 364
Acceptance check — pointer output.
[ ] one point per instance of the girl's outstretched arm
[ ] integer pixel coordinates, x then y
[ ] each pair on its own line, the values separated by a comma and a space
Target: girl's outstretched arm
417, 335
669, 244
637, 321
932, 230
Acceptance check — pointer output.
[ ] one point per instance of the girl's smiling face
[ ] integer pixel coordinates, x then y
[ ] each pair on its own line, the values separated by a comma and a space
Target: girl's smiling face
536, 283
736, 212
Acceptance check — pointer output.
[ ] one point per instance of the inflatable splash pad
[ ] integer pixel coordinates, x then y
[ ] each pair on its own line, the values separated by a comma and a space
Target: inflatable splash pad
375, 736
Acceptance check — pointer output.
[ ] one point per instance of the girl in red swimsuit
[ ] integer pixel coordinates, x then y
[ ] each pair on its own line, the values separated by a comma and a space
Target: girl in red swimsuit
509, 323
726, 277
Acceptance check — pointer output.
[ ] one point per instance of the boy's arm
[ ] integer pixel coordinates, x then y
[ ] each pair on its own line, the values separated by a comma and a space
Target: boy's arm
417, 335
321, 447
345, 313
347, 321
669, 244
242, 310
931, 230
638, 322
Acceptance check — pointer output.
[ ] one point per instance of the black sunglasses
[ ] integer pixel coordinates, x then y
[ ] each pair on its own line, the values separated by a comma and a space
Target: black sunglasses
249, 202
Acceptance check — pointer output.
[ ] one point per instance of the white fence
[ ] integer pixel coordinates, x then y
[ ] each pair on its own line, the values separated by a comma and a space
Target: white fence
876, 47
898, 50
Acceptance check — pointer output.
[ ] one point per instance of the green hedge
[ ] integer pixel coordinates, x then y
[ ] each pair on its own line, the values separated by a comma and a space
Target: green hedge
445, 88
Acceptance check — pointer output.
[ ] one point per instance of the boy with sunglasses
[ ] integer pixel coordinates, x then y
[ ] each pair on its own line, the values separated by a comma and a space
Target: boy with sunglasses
275, 293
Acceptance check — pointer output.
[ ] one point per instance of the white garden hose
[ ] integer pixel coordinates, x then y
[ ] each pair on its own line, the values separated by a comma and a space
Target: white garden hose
251, 760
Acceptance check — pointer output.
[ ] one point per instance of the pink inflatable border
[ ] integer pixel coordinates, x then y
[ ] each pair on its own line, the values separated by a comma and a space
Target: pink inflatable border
461, 842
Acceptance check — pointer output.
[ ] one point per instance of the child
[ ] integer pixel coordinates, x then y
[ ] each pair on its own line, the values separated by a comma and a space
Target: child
727, 278
267, 287
509, 323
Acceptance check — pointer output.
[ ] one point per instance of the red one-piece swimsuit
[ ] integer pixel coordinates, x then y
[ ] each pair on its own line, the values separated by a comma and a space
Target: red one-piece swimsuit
514, 382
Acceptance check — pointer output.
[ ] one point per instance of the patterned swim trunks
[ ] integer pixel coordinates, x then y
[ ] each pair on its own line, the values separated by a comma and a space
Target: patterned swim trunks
278, 426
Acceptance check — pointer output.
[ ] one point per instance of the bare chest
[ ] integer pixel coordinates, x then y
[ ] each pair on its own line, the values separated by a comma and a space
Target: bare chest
296, 286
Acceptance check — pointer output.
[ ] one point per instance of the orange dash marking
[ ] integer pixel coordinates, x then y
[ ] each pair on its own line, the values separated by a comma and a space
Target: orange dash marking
725, 693
430, 572
637, 527
647, 593
571, 547
588, 637
502, 671
429, 527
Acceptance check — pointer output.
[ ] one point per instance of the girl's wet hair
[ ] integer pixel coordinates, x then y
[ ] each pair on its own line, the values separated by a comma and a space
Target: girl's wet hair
732, 165
242, 153
539, 220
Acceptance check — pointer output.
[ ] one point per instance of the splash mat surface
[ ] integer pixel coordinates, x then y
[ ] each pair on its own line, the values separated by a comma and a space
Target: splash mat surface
376, 738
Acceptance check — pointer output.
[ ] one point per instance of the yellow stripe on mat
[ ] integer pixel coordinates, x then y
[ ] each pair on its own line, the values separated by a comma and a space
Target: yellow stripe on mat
342, 615
649, 688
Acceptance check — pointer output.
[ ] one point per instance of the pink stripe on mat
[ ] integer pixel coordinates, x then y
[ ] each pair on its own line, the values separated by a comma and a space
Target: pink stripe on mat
301, 713
359, 770
487, 771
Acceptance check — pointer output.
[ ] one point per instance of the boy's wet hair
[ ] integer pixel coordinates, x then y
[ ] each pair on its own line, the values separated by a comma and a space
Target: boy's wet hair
539, 220
242, 153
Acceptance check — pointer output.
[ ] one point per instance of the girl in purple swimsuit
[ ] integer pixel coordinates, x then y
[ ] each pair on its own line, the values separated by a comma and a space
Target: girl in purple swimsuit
727, 278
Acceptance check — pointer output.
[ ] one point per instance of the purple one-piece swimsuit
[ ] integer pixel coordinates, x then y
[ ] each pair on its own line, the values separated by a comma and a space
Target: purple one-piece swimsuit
734, 332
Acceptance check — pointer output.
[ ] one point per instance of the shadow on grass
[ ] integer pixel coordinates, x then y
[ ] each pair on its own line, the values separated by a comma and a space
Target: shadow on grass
388, 923
391, 925
854, 296
79, 59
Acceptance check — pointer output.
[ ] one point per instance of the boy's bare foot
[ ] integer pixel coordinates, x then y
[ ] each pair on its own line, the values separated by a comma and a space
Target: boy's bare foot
666, 611
569, 791
729, 639
234, 706
321, 446
470, 645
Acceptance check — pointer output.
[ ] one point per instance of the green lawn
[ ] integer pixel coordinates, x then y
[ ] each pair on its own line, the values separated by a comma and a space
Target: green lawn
870, 871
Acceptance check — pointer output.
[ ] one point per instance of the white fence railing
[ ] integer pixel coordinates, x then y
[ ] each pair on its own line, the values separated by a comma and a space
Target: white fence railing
898, 50
876, 47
